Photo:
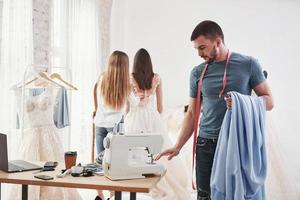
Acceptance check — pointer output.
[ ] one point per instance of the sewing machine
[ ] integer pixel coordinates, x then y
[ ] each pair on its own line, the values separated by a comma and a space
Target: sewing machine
131, 156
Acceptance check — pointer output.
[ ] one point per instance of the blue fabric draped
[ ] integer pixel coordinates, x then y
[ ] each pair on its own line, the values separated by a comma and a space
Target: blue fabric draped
240, 165
61, 110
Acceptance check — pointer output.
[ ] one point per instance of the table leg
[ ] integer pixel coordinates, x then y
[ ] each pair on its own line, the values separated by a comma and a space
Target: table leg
132, 195
118, 195
0, 191
24, 192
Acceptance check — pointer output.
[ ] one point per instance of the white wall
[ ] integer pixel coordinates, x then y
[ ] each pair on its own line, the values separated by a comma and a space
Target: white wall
267, 30
1, 16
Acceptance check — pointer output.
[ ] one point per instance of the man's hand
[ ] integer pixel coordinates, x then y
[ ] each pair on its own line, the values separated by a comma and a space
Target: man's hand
168, 152
228, 100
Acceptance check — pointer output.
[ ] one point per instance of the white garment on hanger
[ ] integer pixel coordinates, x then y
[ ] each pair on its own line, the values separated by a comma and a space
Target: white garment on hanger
41, 142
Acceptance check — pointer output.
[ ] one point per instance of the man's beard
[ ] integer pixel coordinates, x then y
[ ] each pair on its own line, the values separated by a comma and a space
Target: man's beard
212, 55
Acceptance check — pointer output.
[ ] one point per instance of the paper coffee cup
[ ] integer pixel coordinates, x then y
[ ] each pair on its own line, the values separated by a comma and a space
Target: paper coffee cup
70, 159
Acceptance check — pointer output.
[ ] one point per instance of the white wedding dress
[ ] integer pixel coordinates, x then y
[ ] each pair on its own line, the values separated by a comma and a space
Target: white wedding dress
145, 118
40, 142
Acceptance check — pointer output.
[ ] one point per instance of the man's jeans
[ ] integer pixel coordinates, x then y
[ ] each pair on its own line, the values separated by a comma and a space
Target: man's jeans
205, 151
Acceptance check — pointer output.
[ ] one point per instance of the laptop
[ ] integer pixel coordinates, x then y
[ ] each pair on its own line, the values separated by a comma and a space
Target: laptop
15, 165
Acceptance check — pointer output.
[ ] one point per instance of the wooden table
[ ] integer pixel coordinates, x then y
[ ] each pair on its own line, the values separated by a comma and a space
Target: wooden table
94, 182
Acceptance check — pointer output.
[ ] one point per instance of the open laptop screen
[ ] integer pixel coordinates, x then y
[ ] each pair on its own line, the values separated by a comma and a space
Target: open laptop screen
12, 166
3, 153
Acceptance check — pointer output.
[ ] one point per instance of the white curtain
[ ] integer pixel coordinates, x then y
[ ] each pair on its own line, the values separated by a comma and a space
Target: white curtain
16, 55
84, 60
76, 44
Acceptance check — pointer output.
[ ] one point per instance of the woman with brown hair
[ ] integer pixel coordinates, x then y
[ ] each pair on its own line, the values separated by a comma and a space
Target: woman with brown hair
144, 109
112, 94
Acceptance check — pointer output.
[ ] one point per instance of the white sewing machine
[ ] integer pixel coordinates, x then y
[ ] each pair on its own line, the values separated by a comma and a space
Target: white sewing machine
121, 150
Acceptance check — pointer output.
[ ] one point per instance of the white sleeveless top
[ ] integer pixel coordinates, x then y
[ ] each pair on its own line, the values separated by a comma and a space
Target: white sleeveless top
105, 116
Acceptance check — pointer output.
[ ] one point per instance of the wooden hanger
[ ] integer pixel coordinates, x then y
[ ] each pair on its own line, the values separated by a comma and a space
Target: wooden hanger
58, 76
44, 76
34, 79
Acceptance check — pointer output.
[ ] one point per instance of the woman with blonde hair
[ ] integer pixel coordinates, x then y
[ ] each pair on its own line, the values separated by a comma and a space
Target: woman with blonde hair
113, 88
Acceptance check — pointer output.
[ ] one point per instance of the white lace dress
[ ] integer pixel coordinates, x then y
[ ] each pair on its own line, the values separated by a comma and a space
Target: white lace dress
40, 142
146, 119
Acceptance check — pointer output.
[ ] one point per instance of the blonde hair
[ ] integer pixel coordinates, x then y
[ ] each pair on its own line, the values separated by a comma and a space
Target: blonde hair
115, 84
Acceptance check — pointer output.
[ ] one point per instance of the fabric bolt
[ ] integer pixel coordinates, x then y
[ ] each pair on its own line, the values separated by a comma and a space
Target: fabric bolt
240, 163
